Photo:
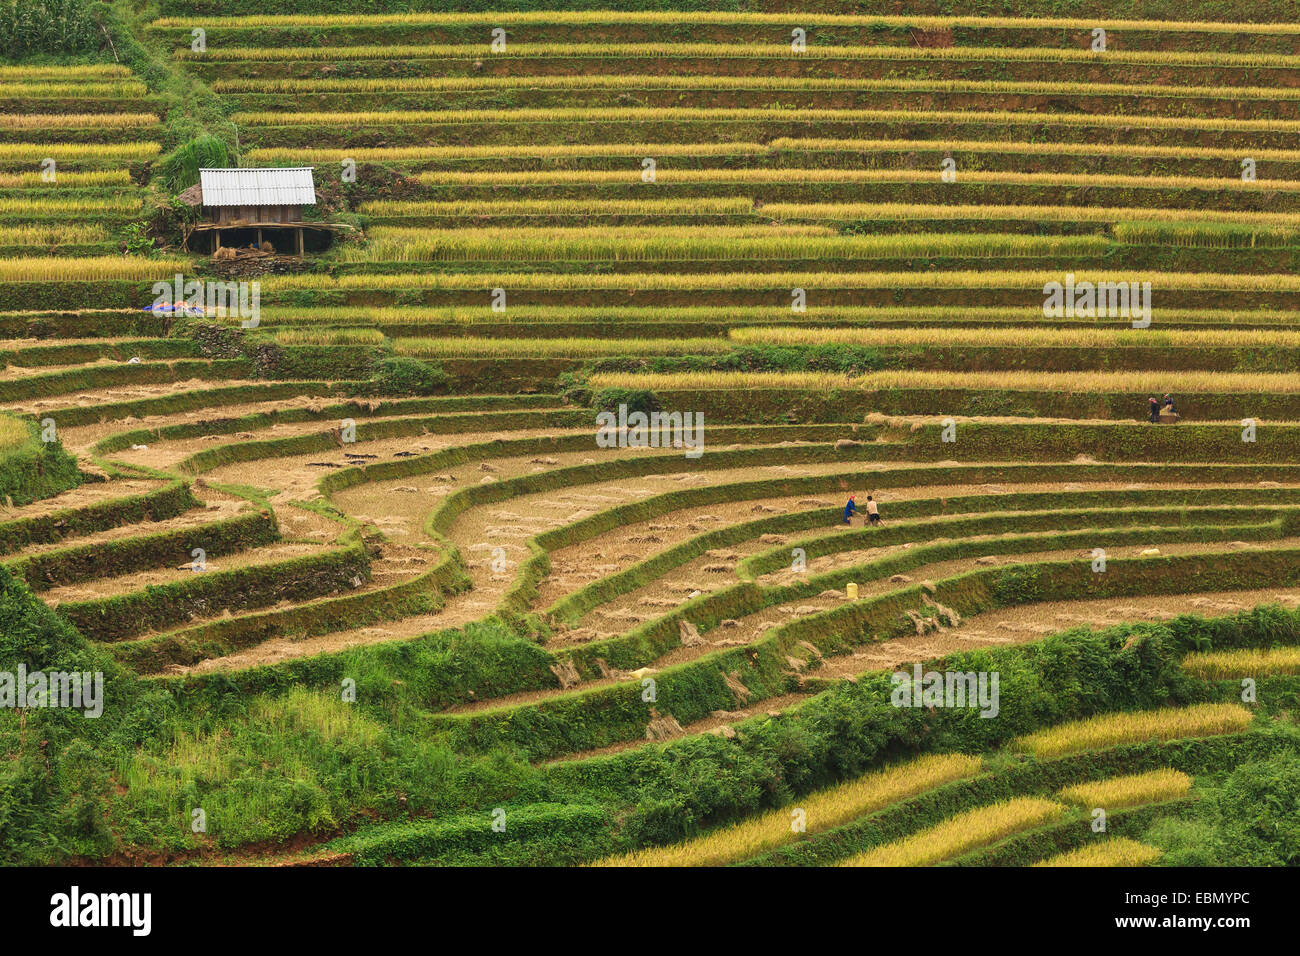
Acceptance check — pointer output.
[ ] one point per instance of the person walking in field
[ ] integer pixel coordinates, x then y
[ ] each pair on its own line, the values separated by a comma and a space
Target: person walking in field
850, 510
873, 511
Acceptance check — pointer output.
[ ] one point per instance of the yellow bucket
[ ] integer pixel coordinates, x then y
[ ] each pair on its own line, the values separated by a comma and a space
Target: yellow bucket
852, 590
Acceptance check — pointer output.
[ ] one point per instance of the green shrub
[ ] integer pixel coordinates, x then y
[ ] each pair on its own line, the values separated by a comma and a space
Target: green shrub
137, 238
636, 400
408, 376
574, 389
1259, 814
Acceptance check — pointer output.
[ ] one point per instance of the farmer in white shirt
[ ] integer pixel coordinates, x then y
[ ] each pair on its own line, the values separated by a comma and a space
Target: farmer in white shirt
873, 511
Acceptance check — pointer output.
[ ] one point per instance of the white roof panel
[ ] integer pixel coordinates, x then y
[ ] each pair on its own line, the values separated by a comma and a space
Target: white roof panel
258, 187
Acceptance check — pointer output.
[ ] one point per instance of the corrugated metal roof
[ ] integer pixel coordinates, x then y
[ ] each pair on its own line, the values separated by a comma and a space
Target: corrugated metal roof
258, 187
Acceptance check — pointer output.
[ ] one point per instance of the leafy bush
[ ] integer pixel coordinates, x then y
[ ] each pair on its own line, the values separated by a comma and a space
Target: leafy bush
1259, 814
574, 389
636, 400
1018, 586
137, 239
408, 376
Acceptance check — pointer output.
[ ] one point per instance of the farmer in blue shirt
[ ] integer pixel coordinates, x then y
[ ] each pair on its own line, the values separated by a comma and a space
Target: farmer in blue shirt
850, 509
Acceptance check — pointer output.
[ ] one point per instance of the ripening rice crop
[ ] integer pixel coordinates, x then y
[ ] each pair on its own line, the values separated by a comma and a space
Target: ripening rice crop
1129, 791
361, 336
1047, 337
397, 154
625, 242
745, 51
711, 17
932, 317
1116, 851
57, 88
629, 244
76, 120
89, 269
815, 145
961, 834
13, 433
45, 208
790, 175
821, 811
695, 82
701, 206
1243, 662
35, 152
52, 235
634, 114
553, 348
1207, 235
105, 177
986, 279
1073, 382
86, 71
876, 212
1132, 727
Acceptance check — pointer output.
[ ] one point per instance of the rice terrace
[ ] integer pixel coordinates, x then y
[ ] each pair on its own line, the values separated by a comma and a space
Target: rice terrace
638, 433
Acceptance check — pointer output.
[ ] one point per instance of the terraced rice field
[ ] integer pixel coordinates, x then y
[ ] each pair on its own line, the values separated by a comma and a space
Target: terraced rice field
388, 571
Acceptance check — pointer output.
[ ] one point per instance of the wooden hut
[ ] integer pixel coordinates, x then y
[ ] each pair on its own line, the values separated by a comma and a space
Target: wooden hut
265, 200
